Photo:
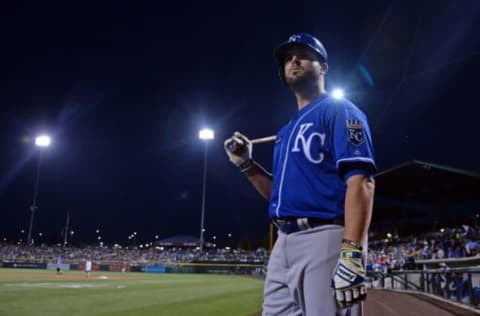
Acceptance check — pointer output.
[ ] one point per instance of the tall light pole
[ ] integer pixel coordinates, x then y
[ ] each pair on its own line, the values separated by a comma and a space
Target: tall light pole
40, 141
205, 134
67, 223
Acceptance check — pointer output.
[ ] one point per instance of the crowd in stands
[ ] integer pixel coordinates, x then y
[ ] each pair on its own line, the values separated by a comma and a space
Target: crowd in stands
386, 254
395, 254
131, 255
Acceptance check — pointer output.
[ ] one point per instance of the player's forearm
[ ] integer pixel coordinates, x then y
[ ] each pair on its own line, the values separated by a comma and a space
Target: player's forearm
261, 180
358, 207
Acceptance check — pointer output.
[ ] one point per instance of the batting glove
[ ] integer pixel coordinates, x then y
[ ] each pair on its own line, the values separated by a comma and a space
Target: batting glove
239, 151
349, 278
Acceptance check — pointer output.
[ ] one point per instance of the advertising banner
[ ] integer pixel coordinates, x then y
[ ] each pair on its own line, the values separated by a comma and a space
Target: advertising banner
53, 266
155, 269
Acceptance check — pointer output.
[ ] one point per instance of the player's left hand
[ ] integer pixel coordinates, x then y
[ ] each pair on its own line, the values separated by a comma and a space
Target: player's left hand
349, 277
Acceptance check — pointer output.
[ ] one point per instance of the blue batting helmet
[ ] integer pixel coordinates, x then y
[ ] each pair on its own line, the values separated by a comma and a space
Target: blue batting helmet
299, 39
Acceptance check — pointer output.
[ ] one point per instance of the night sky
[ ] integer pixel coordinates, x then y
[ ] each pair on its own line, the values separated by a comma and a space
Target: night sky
123, 89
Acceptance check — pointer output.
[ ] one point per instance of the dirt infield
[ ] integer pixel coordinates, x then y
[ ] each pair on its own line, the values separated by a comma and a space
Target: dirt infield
389, 303
69, 276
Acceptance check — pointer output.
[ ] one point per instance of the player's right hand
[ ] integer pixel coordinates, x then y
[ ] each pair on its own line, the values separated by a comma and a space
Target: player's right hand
238, 149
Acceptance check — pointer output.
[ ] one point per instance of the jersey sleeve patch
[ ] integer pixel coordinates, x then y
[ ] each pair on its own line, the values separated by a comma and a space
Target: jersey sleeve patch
356, 135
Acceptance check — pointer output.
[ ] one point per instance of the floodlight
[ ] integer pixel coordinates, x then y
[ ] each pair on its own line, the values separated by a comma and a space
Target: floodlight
206, 134
43, 141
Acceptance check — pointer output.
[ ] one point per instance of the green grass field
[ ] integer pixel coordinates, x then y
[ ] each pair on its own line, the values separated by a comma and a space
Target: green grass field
39, 292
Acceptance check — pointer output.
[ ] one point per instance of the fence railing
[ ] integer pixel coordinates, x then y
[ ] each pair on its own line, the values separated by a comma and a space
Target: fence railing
457, 284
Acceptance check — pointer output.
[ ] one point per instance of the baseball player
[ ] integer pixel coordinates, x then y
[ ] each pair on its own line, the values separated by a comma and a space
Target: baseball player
320, 192
59, 266
88, 268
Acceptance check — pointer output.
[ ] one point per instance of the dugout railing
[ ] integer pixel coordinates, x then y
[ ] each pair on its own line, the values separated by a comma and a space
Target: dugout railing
456, 284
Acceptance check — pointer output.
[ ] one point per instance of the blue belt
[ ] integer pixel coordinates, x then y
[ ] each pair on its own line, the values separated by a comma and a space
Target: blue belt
293, 225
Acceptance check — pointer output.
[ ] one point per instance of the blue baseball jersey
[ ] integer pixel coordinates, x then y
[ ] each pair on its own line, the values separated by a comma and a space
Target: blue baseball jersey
326, 142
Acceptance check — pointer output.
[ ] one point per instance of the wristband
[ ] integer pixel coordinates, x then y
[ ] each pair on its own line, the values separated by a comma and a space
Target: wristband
352, 243
246, 165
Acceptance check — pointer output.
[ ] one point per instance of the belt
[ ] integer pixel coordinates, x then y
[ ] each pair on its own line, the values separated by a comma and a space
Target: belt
293, 225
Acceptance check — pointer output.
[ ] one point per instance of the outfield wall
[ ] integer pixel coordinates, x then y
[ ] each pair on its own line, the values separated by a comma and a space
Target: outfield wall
23, 265
216, 268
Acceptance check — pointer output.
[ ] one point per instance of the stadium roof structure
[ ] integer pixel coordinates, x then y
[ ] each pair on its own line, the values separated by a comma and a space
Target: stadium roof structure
420, 181
416, 195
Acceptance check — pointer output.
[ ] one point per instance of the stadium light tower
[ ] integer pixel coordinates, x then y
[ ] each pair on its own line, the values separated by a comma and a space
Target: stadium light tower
205, 134
41, 141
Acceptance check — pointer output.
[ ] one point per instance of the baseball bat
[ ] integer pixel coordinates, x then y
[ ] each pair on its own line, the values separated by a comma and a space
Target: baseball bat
232, 146
264, 139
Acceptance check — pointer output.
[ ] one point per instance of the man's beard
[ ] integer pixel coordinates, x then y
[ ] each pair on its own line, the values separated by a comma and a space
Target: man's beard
304, 80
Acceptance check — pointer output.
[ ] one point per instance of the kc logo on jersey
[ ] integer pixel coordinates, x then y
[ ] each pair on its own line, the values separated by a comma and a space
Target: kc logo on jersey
355, 132
306, 143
